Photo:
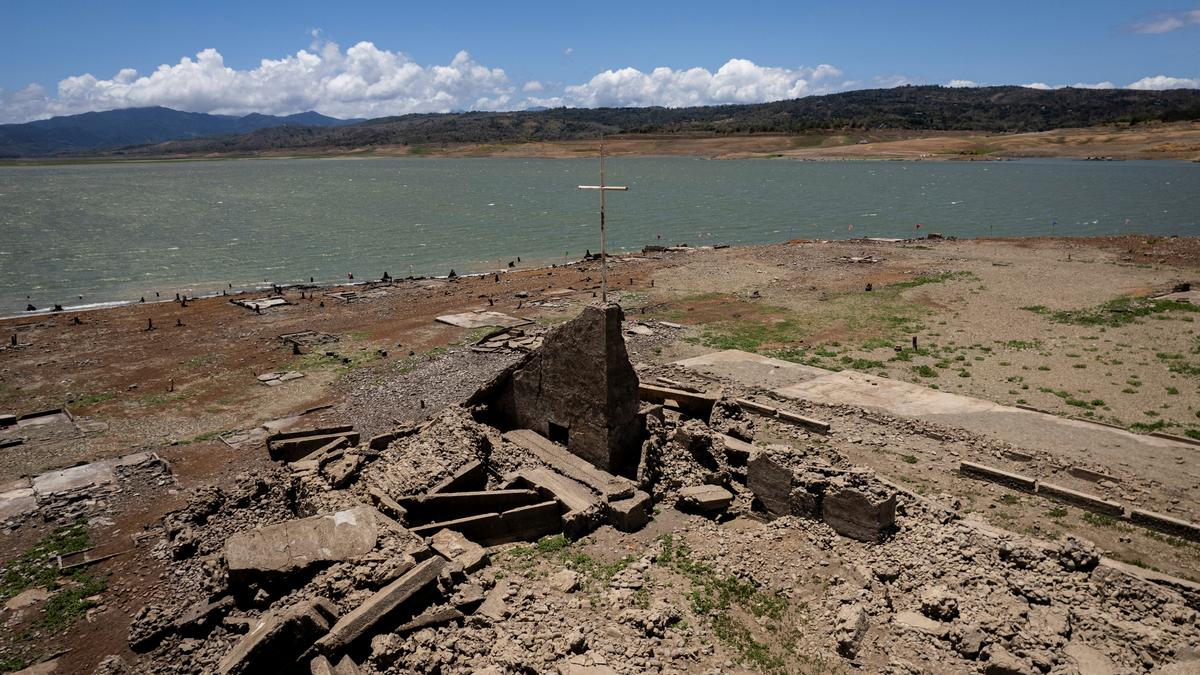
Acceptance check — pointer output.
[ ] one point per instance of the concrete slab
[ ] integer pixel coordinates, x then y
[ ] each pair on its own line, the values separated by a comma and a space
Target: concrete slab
55, 482
16, 503
482, 319
1023, 428
749, 368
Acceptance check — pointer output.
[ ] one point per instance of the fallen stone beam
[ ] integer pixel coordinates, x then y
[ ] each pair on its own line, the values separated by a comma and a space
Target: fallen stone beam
472, 476
317, 431
582, 508
1080, 499
277, 639
452, 505
1165, 524
994, 475
477, 528
299, 447
488, 529
576, 468
814, 424
437, 617
757, 407
377, 607
700, 404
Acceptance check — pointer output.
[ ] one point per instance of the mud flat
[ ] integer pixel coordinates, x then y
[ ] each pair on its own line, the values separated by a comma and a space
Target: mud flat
761, 523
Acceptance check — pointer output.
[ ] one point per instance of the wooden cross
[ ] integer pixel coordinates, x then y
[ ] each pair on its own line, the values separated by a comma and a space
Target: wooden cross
603, 251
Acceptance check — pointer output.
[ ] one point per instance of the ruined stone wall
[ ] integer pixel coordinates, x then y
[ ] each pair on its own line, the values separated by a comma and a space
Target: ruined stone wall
581, 382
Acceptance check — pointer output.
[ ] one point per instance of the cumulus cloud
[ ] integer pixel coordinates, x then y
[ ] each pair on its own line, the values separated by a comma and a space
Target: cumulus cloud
532, 86
738, 81
962, 83
1166, 22
363, 80
1159, 82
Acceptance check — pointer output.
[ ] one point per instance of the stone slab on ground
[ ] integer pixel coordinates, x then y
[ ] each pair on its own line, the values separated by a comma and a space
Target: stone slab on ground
458, 549
277, 639
472, 476
16, 503
705, 498
377, 607
629, 514
482, 319
858, 514
697, 403
991, 474
582, 507
452, 505
296, 544
746, 367
295, 448
65, 480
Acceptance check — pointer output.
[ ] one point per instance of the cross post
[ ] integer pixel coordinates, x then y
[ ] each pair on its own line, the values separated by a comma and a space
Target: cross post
602, 188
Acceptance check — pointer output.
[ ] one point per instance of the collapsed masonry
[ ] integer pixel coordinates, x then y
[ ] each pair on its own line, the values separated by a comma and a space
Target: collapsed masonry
357, 544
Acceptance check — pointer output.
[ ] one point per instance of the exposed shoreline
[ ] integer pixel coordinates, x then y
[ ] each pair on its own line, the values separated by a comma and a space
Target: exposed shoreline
1176, 141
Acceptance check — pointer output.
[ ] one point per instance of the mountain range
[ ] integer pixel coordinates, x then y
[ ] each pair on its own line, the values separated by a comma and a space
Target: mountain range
162, 131
74, 134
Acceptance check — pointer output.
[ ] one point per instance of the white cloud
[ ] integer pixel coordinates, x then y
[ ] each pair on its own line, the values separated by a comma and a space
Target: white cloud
738, 81
569, 52
533, 86
1159, 82
362, 81
1167, 22
1037, 85
962, 83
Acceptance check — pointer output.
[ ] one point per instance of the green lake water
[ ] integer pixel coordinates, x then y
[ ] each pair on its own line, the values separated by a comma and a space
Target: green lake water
119, 231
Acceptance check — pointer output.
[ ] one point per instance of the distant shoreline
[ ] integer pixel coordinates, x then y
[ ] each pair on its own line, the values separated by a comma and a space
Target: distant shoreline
1176, 141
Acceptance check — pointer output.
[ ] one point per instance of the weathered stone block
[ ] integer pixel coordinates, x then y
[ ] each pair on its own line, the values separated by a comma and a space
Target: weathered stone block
771, 483
1081, 499
631, 514
296, 544
705, 498
858, 514
1165, 524
458, 549
471, 477
278, 639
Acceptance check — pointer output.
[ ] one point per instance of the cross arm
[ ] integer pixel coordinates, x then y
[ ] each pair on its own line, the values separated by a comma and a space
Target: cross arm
604, 187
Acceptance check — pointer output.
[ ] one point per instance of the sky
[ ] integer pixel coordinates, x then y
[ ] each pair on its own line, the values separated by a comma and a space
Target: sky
371, 59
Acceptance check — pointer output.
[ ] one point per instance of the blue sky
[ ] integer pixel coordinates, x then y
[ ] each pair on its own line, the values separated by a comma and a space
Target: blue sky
523, 54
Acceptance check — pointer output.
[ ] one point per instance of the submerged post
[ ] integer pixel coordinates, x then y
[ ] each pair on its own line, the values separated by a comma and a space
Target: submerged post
602, 188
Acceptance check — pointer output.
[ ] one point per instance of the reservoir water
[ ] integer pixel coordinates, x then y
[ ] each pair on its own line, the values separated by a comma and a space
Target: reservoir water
119, 231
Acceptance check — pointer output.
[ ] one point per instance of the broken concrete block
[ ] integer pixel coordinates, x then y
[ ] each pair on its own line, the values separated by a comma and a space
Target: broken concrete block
340, 472
471, 477
566, 581
705, 498
354, 624
1165, 524
279, 638
199, 617
296, 544
849, 630
436, 617
631, 514
736, 452
771, 483
458, 549
493, 606
386, 504
859, 514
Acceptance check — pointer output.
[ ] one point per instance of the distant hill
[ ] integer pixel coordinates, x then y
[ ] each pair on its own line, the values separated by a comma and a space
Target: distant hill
136, 126
159, 131
994, 109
